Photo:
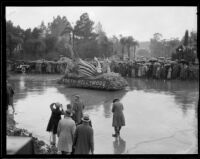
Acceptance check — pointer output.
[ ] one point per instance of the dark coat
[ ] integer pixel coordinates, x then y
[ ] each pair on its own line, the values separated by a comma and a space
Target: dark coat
77, 111
9, 93
54, 119
118, 115
84, 139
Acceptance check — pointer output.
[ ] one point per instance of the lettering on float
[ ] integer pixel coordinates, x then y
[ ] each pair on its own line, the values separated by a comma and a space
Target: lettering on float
86, 83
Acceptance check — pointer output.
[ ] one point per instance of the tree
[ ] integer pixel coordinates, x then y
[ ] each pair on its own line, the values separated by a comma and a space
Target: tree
59, 26
135, 45
14, 37
123, 43
157, 36
188, 49
129, 43
27, 34
84, 27
102, 41
43, 29
156, 45
50, 42
36, 33
186, 38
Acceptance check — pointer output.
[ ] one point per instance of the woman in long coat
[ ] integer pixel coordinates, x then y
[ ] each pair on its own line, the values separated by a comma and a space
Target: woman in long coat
118, 117
54, 119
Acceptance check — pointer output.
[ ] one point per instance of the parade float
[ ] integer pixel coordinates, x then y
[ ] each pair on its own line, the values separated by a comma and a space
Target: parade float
82, 74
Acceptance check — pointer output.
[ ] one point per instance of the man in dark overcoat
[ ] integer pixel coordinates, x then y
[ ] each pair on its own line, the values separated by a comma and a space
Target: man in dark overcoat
77, 108
84, 137
118, 117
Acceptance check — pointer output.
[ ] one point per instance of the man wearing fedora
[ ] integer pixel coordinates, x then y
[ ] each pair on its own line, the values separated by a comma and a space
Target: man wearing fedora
83, 138
118, 117
65, 132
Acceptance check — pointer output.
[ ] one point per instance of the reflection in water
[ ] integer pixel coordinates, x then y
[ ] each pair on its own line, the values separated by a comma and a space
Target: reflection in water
161, 85
22, 83
93, 98
185, 92
107, 109
119, 145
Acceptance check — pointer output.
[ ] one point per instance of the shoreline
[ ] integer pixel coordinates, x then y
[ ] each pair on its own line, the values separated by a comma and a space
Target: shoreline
40, 147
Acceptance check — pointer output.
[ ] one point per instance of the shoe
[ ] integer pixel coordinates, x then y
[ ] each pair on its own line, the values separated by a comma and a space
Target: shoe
114, 135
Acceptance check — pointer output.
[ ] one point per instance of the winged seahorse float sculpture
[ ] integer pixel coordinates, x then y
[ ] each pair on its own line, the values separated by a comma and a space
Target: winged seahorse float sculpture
82, 74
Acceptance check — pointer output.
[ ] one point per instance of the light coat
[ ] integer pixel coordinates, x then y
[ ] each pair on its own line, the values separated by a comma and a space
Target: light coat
65, 131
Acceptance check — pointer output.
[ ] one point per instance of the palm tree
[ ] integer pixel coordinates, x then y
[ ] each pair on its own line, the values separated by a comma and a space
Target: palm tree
129, 42
123, 41
135, 44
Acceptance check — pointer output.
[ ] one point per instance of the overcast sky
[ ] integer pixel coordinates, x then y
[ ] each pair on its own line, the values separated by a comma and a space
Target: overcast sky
139, 22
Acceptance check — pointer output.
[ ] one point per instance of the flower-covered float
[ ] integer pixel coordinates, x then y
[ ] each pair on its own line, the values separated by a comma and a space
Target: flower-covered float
82, 74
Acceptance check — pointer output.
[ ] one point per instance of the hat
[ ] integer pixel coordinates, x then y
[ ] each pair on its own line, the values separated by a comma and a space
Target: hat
77, 96
116, 99
85, 118
57, 104
68, 111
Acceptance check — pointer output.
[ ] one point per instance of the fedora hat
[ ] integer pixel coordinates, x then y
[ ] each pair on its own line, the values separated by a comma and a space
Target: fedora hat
85, 118
77, 96
68, 111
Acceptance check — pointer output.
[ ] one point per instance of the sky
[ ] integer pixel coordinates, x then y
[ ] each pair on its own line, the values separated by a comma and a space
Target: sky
139, 22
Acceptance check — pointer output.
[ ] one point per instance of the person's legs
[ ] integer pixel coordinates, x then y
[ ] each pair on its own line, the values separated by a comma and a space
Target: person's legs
119, 128
53, 142
65, 153
116, 129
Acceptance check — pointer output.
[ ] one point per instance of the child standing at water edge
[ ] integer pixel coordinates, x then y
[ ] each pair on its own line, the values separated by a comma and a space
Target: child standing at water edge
54, 119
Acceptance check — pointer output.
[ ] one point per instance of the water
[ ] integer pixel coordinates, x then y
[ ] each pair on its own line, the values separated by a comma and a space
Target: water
161, 116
